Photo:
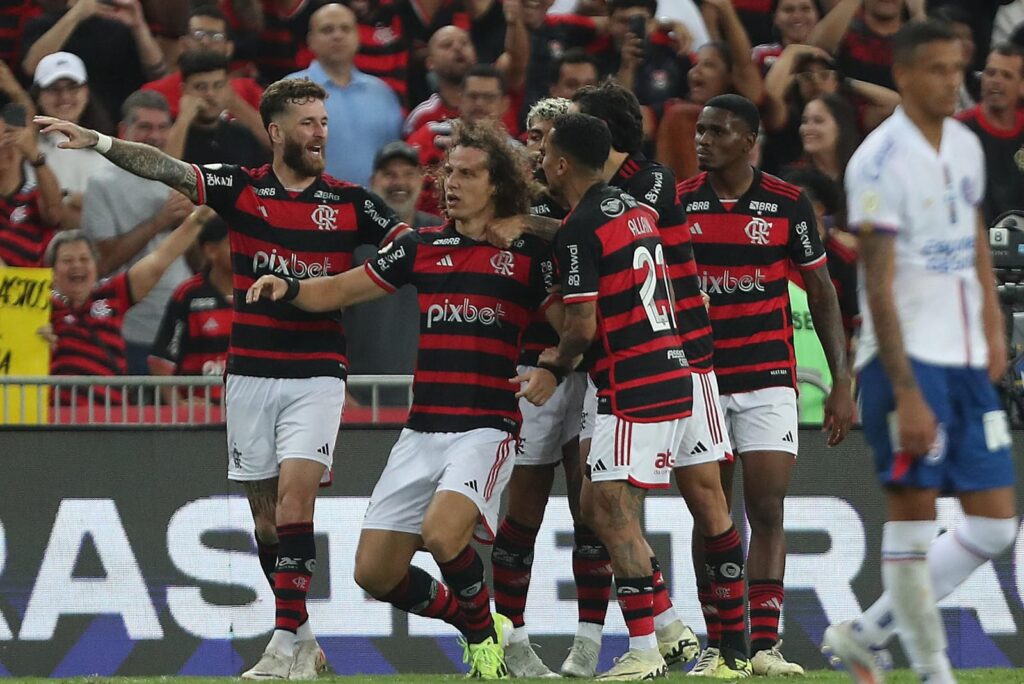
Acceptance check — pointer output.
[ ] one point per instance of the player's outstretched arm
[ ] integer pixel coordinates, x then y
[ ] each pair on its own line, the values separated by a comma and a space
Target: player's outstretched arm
319, 295
828, 323
138, 158
503, 232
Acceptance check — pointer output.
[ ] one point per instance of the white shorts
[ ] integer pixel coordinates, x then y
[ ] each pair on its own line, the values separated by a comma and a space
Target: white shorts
476, 464
546, 429
762, 420
273, 419
707, 431
642, 454
589, 414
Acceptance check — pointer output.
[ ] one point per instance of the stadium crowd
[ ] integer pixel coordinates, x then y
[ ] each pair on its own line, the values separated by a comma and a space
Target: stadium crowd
172, 163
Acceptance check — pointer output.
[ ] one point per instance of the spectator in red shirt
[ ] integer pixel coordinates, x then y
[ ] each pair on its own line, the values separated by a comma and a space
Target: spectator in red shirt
793, 20
194, 333
271, 34
88, 313
862, 41
208, 31
30, 197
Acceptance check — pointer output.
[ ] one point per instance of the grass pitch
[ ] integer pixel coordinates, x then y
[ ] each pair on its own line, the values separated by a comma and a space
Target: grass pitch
1002, 676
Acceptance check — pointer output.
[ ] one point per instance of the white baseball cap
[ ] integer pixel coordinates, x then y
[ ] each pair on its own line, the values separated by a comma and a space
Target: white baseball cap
60, 65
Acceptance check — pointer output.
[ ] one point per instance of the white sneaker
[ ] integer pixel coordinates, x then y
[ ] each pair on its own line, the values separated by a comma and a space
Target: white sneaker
771, 663
677, 643
636, 666
272, 665
582, 659
707, 663
841, 648
309, 660
522, 661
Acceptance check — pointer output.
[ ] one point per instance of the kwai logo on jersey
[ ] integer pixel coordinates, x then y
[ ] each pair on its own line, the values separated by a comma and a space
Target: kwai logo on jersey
289, 265
325, 217
727, 283
758, 231
504, 263
464, 312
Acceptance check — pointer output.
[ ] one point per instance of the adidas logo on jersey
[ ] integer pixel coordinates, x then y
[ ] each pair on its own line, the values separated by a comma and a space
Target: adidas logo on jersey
472, 485
695, 229
211, 326
699, 449
788, 437
446, 260
325, 450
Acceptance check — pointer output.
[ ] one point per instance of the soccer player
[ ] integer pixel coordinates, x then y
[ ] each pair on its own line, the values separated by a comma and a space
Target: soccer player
549, 437
193, 336
931, 345
748, 230
617, 292
286, 368
443, 481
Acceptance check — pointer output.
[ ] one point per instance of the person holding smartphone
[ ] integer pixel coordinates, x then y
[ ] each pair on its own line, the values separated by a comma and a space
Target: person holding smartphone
30, 197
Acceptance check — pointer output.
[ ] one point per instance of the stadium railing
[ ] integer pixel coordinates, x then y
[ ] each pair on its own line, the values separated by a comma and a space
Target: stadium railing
91, 400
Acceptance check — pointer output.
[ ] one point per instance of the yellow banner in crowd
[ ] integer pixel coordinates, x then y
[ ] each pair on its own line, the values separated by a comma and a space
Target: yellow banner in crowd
24, 308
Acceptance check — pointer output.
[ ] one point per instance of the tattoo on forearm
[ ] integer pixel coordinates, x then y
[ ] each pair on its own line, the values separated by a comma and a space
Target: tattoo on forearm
543, 227
149, 162
573, 341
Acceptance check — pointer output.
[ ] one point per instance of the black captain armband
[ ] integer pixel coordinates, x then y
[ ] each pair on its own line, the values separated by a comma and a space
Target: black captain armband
559, 372
293, 289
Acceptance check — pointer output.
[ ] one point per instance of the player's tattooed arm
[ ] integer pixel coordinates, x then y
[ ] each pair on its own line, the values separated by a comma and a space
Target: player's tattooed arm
503, 232
149, 162
579, 327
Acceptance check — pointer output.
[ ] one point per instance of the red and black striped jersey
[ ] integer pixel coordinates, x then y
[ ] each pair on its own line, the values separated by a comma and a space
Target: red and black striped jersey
194, 334
744, 254
386, 40
304, 235
475, 301
608, 251
539, 334
89, 339
653, 184
14, 14
23, 235
280, 49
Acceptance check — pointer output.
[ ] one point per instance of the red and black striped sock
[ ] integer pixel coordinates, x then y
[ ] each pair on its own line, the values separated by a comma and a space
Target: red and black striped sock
465, 575
662, 600
724, 557
766, 597
420, 594
511, 562
636, 599
592, 571
710, 611
295, 564
268, 559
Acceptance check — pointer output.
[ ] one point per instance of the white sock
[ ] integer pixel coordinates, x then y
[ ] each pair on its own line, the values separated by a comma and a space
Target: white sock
905, 577
305, 632
643, 643
519, 635
282, 642
952, 558
589, 630
665, 618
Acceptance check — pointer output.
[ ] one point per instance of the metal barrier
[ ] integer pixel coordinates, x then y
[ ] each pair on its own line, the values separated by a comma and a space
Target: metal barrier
155, 400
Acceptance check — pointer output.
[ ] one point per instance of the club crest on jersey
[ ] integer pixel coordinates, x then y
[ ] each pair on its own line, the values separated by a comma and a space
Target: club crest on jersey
612, 207
325, 217
758, 231
100, 309
504, 263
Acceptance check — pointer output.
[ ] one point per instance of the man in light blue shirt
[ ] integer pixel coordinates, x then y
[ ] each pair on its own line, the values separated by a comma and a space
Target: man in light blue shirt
364, 113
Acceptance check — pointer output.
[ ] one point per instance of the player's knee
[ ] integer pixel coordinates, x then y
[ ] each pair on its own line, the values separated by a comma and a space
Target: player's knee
373, 579
989, 536
442, 543
765, 513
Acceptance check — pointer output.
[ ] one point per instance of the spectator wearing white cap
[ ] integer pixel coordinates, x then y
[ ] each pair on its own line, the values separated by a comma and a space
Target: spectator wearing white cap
111, 37
60, 88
